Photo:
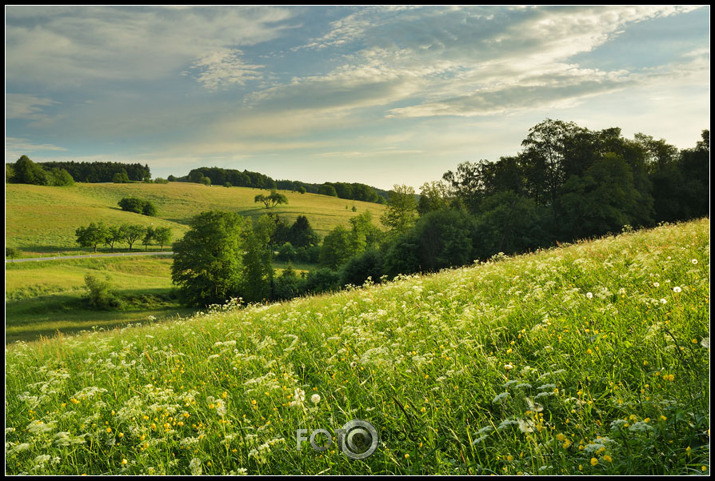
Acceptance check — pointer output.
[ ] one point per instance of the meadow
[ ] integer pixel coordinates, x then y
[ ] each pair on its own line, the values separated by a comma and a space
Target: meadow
591, 358
44, 297
41, 220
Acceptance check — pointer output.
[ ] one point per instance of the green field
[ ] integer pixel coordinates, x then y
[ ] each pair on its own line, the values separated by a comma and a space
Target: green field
44, 297
592, 358
41, 220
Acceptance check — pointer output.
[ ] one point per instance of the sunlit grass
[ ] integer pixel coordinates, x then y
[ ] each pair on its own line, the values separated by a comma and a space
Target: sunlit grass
589, 359
42, 220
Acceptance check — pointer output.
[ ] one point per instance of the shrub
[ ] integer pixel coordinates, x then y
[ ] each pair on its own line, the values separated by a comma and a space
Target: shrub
99, 293
139, 206
322, 280
359, 268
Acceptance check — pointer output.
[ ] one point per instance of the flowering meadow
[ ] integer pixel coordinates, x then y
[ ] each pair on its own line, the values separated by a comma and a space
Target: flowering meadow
590, 358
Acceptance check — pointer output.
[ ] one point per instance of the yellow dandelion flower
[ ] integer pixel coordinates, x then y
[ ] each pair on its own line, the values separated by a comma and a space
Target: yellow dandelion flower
594, 461
124, 461
407, 456
608, 459
109, 430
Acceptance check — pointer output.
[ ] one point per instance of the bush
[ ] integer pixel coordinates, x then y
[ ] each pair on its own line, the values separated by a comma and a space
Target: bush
12, 252
100, 295
359, 268
139, 206
308, 255
286, 253
322, 280
288, 285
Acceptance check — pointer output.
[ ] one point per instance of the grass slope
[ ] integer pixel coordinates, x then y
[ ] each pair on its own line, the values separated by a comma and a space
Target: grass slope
587, 359
42, 219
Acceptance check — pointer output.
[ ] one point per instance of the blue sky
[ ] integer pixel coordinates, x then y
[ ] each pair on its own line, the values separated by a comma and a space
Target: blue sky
382, 95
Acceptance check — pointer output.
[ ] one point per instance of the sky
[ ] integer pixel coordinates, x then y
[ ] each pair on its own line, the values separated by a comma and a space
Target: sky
382, 95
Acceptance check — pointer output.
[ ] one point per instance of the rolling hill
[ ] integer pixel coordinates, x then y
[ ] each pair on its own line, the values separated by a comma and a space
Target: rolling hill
42, 219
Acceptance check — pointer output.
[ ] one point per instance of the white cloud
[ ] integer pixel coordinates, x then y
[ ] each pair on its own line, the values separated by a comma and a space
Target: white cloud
17, 147
25, 106
69, 48
223, 68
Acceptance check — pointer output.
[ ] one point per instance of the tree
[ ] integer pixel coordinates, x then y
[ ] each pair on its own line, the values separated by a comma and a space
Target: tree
12, 252
132, 233
509, 223
92, 235
337, 248
208, 261
301, 233
401, 212
364, 234
433, 196
148, 209
162, 235
257, 282
288, 285
59, 177
139, 206
603, 200
271, 200
120, 177
327, 189
149, 236
9, 173
28, 172
114, 235
359, 268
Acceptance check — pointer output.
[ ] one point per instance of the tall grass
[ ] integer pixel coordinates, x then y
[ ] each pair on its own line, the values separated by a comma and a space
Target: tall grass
587, 359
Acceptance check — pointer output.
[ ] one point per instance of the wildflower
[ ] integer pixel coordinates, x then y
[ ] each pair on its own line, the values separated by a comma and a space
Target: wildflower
594, 461
677, 289
608, 459
508, 366
663, 418
315, 398
589, 295
407, 456
656, 284
124, 462
694, 261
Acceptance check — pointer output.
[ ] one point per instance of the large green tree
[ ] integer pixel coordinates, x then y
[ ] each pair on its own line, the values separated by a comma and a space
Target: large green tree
208, 260
28, 172
401, 212
92, 235
257, 282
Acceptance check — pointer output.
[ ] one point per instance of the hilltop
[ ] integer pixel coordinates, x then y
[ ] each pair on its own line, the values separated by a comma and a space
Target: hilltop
592, 358
43, 219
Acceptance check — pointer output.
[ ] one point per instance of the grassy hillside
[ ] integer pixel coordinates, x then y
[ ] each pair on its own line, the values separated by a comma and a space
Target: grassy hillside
41, 219
587, 359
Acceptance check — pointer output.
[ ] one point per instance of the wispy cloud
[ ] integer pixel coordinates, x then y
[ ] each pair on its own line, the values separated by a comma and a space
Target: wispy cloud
223, 68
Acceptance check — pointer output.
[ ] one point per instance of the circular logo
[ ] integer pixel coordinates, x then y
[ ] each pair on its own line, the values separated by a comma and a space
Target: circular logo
360, 439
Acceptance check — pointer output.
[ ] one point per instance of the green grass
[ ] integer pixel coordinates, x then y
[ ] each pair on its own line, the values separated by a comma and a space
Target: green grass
41, 220
588, 359
42, 298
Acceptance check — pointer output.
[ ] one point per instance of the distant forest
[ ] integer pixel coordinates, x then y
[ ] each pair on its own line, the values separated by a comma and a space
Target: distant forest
237, 178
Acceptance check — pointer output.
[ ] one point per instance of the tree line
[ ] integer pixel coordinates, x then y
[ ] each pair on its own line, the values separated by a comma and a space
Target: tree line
26, 171
567, 183
236, 178
96, 234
